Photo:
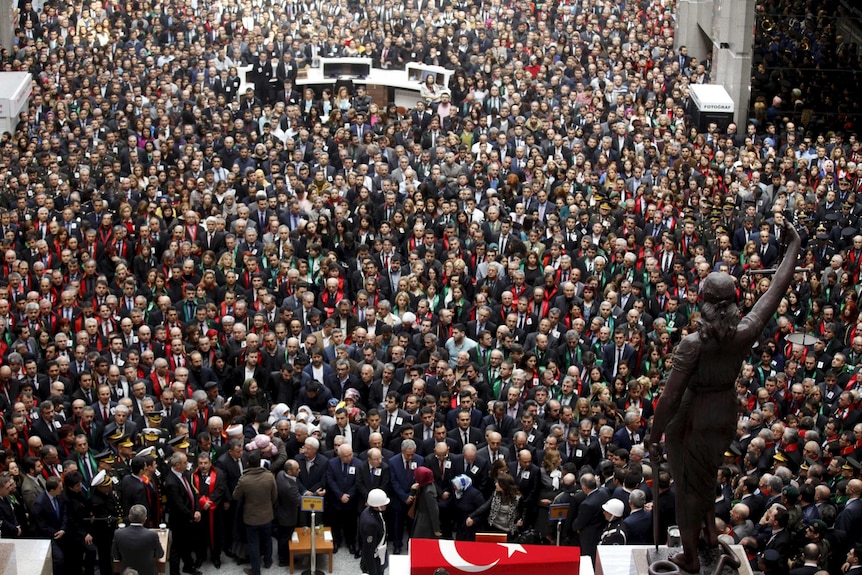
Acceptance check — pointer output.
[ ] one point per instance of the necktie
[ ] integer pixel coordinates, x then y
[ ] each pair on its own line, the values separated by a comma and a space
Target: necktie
56, 507
104, 413
619, 360
188, 490
466, 438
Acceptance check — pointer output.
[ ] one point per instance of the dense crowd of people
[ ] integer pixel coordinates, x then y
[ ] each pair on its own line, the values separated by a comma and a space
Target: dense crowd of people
214, 302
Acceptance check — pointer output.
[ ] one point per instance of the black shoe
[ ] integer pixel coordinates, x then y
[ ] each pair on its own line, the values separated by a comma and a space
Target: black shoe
357, 554
335, 547
396, 551
230, 554
284, 563
267, 565
192, 571
351, 549
217, 563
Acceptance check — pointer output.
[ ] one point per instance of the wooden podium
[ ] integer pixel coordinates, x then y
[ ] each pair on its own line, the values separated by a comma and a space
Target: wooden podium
303, 546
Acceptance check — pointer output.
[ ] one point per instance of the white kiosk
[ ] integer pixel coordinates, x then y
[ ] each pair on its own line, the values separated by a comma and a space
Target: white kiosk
710, 103
15, 90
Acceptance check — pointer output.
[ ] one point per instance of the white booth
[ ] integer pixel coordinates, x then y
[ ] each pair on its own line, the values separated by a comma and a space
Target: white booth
710, 103
384, 86
15, 90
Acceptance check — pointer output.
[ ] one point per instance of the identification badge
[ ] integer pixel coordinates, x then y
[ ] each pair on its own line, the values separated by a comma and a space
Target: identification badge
531, 438
207, 481
447, 464
351, 471
399, 420
377, 471
579, 453
412, 465
525, 475
474, 469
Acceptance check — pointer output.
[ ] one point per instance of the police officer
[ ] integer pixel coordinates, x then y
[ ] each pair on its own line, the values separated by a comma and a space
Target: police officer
372, 533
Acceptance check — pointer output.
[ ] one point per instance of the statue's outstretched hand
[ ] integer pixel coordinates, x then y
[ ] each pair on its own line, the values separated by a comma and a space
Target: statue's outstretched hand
655, 454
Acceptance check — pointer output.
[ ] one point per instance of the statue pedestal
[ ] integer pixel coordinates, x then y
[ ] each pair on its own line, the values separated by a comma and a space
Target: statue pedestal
636, 559
25, 556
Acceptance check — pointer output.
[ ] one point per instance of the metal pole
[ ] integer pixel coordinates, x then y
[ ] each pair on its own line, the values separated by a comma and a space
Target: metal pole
313, 544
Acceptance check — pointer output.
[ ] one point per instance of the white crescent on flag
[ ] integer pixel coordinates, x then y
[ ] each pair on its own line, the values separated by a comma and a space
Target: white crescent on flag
453, 558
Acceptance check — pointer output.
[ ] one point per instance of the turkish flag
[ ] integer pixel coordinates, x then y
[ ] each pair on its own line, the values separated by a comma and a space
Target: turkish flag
469, 558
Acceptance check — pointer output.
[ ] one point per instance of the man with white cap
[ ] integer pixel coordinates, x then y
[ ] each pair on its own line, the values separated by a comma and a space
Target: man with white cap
372, 533
613, 533
106, 512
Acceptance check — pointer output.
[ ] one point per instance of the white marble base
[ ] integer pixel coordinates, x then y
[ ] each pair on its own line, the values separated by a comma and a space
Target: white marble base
617, 559
633, 559
25, 557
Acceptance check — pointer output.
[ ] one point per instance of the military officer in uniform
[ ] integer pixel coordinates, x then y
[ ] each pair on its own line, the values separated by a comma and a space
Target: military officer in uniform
105, 514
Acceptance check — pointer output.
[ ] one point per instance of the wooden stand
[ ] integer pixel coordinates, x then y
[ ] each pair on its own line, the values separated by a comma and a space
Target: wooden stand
303, 546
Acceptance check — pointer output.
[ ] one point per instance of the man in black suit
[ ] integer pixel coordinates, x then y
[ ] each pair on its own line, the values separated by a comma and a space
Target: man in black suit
474, 466
342, 497
440, 434
755, 500
528, 476
850, 517
213, 240
44, 427
373, 473
503, 423
133, 489
424, 430
494, 450
136, 547
230, 463
287, 508
774, 534
182, 508
590, 519
767, 251
312, 469
344, 427
372, 425
638, 525
50, 518
444, 467
464, 433
810, 556
617, 353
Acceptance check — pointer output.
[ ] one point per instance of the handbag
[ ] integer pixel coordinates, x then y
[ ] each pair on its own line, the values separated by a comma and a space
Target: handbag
411, 513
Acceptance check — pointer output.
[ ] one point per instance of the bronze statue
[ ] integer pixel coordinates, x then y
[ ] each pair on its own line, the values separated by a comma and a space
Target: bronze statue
697, 411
